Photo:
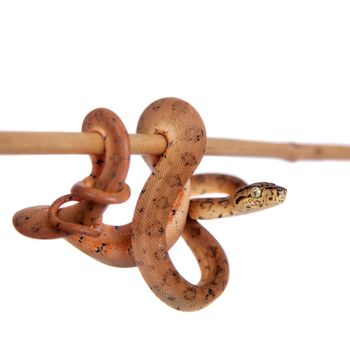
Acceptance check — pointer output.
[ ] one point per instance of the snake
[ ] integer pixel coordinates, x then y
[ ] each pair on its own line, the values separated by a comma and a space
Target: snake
184, 130
161, 212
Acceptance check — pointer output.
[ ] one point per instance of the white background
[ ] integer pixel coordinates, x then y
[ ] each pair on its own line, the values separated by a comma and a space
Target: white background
261, 70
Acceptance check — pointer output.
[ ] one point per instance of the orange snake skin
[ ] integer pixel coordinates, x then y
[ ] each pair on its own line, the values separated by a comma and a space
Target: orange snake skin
163, 212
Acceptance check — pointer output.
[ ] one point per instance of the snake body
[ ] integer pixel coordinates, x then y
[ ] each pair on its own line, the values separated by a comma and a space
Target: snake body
182, 126
184, 130
160, 215
113, 246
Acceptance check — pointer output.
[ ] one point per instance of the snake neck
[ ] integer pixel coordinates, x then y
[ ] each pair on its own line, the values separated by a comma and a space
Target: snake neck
212, 208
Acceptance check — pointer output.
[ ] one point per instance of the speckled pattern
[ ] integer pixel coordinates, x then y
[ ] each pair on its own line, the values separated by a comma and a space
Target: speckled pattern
80, 224
180, 123
160, 215
241, 199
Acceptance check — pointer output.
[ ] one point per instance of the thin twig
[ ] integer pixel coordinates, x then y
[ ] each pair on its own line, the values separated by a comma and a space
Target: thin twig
92, 143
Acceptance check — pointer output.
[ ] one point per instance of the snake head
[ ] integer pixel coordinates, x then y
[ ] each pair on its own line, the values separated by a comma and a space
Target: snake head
259, 196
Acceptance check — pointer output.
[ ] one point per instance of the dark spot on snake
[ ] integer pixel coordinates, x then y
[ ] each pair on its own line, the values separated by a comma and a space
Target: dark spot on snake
200, 136
270, 198
100, 248
190, 294
175, 181
35, 229
156, 107
239, 199
220, 216
210, 293
155, 228
130, 251
173, 212
100, 161
180, 107
195, 232
143, 191
81, 239
141, 210
175, 276
193, 134
218, 270
160, 254
116, 227
213, 250
26, 218
161, 203
188, 159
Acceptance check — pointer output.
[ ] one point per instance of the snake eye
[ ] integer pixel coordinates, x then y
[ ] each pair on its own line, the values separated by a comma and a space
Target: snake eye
255, 192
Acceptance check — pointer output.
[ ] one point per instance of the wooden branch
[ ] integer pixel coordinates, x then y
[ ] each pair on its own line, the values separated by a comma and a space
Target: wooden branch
92, 143
72, 143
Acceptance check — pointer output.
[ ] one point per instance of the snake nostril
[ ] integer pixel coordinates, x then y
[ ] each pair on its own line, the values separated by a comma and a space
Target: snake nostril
281, 191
